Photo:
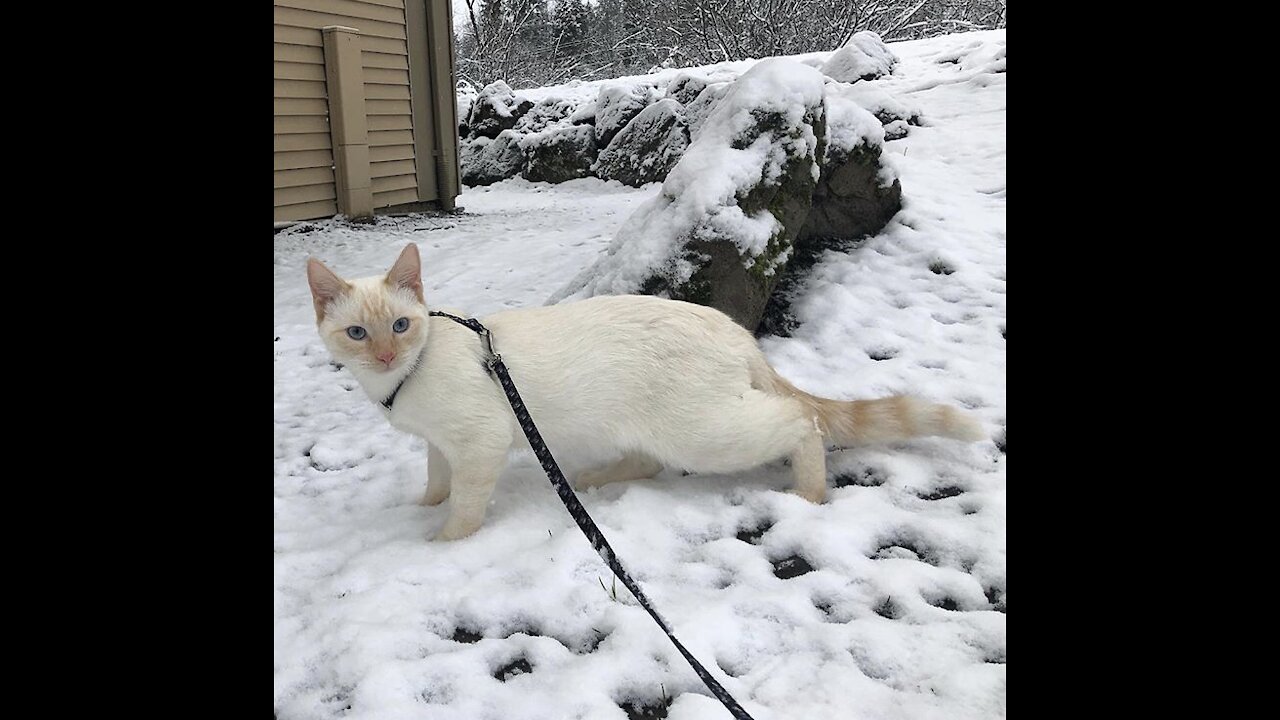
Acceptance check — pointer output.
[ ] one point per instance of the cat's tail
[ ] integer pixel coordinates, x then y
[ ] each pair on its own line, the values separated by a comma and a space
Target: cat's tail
865, 422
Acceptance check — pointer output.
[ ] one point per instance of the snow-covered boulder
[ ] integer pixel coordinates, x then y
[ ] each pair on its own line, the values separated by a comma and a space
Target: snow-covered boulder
466, 97
647, 148
685, 87
485, 161
548, 113
875, 48
696, 112
723, 226
585, 114
495, 109
856, 195
559, 154
864, 57
616, 106
895, 130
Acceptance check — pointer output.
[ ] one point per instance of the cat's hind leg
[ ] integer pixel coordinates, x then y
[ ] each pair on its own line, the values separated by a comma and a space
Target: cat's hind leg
438, 476
754, 428
809, 468
632, 466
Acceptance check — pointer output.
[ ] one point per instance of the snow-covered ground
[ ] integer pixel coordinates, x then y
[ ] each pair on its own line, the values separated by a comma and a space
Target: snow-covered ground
902, 614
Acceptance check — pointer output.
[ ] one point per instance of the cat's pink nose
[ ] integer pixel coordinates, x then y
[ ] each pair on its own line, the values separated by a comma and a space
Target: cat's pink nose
387, 357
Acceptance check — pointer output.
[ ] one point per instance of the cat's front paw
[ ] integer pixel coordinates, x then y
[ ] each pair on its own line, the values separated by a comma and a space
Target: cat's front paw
456, 529
591, 479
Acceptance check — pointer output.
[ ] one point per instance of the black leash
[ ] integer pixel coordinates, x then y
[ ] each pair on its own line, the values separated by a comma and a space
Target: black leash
585, 523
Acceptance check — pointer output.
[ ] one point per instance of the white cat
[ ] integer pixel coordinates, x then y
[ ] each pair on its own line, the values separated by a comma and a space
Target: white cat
657, 382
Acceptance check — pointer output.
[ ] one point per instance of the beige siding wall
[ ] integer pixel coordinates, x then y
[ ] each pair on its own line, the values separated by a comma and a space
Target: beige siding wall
303, 154
386, 91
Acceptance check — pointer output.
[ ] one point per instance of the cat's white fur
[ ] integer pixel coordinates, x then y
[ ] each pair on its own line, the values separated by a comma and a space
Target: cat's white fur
656, 382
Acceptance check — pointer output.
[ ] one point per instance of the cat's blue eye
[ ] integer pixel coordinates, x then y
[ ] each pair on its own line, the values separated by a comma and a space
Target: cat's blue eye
355, 332
400, 325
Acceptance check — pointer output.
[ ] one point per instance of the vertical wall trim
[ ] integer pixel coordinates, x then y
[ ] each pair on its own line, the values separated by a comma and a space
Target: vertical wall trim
348, 125
420, 92
444, 83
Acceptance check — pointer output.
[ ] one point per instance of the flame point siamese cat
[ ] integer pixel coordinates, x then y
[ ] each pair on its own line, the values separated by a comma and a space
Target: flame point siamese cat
654, 382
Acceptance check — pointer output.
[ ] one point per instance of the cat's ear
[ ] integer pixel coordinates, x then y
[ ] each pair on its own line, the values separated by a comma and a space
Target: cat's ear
407, 272
325, 286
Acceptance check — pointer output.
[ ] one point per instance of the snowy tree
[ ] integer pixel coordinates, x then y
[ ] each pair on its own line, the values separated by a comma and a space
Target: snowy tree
540, 42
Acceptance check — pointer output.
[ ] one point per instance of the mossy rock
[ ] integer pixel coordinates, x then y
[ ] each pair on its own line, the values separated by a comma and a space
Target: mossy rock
725, 279
851, 201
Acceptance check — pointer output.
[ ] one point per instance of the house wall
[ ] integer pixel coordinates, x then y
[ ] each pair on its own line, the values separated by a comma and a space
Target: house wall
400, 166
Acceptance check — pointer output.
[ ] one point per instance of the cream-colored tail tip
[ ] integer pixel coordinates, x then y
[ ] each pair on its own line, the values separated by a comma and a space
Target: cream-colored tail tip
961, 426
970, 430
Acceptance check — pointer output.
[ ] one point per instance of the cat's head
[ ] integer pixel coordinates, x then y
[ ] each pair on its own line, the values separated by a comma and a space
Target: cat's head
374, 324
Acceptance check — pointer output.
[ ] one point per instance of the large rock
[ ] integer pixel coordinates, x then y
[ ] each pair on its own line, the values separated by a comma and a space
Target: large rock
685, 87
864, 57
496, 109
875, 48
559, 154
856, 194
647, 148
585, 114
466, 97
697, 112
486, 161
548, 113
852, 199
723, 226
616, 107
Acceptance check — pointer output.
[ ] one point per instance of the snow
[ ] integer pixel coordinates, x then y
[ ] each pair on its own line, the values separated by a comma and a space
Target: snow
366, 609
872, 97
592, 90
